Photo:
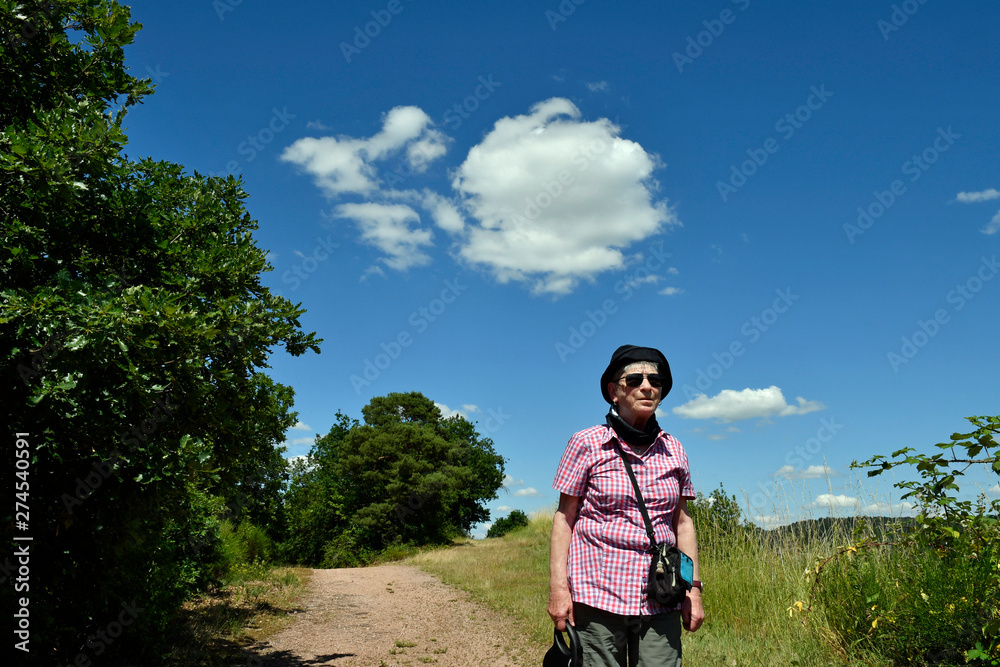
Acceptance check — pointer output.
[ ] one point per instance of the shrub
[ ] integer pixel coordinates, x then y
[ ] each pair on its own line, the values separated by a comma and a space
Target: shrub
929, 596
516, 519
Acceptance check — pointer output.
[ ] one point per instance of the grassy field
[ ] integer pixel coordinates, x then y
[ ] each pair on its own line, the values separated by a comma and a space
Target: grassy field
214, 629
750, 598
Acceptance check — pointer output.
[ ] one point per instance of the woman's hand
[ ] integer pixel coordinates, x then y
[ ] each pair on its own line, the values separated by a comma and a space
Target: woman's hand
692, 613
561, 607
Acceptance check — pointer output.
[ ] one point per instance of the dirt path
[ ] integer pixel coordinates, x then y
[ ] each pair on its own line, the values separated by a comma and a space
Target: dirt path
393, 615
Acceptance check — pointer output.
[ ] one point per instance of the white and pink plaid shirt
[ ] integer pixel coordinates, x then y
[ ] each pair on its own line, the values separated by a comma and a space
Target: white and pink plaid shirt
608, 554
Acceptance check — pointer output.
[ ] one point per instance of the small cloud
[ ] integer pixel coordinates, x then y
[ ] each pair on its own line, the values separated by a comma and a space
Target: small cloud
503, 509
302, 441
887, 509
731, 405
812, 472
393, 229
299, 426
528, 492
598, 87
994, 489
716, 436
447, 412
671, 291
977, 197
836, 502
509, 481
767, 521
993, 227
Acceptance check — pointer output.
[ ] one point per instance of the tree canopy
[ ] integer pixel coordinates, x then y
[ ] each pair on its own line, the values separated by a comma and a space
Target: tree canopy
134, 331
405, 476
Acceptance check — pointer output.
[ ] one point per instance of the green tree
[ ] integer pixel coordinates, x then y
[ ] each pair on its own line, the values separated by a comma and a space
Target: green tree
133, 333
404, 476
516, 519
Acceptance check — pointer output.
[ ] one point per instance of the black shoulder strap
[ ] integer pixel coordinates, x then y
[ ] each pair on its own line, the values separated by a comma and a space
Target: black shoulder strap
638, 495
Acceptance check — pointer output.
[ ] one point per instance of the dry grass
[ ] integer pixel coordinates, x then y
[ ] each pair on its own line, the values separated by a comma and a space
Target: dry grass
215, 629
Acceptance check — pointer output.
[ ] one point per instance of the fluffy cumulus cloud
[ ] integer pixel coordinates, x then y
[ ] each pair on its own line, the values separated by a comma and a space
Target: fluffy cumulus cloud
731, 405
342, 165
556, 198
299, 426
528, 492
977, 197
812, 472
546, 198
393, 229
836, 502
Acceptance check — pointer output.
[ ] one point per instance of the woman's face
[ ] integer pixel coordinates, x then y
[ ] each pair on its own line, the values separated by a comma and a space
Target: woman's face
636, 404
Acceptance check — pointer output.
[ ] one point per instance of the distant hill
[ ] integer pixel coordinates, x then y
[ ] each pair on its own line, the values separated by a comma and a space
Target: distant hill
879, 528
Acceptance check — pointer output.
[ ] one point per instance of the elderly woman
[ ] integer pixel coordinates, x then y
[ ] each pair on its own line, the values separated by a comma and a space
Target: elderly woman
599, 558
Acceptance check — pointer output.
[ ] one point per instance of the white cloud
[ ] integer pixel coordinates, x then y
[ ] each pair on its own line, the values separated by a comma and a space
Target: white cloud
598, 87
994, 489
302, 441
731, 405
768, 521
887, 508
555, 198
977, 197
832, 501
299, 426
446, 215
994, 225
812, 472
341, 165
528, 491
387, 227
503, 509
447, 412
671, 291
509, 481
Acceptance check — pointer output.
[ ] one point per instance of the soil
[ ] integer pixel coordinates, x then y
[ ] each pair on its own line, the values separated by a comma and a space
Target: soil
393, 615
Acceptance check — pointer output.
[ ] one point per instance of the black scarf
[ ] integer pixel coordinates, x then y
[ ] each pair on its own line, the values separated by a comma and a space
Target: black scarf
630, 434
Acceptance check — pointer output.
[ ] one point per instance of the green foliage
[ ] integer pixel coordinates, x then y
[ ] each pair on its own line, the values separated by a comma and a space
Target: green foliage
718, 520
133, 333
405, 476
932, 594
516, 519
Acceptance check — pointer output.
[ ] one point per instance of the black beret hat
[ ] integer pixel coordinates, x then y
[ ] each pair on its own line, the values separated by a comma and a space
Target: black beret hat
628, 354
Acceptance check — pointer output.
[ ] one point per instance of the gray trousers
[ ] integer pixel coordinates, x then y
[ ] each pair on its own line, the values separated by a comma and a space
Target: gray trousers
613, 640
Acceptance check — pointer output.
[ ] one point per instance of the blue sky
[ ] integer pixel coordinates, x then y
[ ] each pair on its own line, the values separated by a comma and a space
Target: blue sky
796, 202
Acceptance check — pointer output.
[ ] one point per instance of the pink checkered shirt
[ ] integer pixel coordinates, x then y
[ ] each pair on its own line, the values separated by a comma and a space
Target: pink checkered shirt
608, 557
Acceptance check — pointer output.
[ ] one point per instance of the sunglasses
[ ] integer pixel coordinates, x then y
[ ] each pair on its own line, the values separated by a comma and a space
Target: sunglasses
635, 379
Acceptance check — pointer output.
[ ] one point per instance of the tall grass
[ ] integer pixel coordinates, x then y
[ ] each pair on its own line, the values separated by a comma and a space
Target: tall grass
754, 580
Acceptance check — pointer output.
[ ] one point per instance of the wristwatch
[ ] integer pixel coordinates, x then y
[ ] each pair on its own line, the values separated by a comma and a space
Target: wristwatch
698, 584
